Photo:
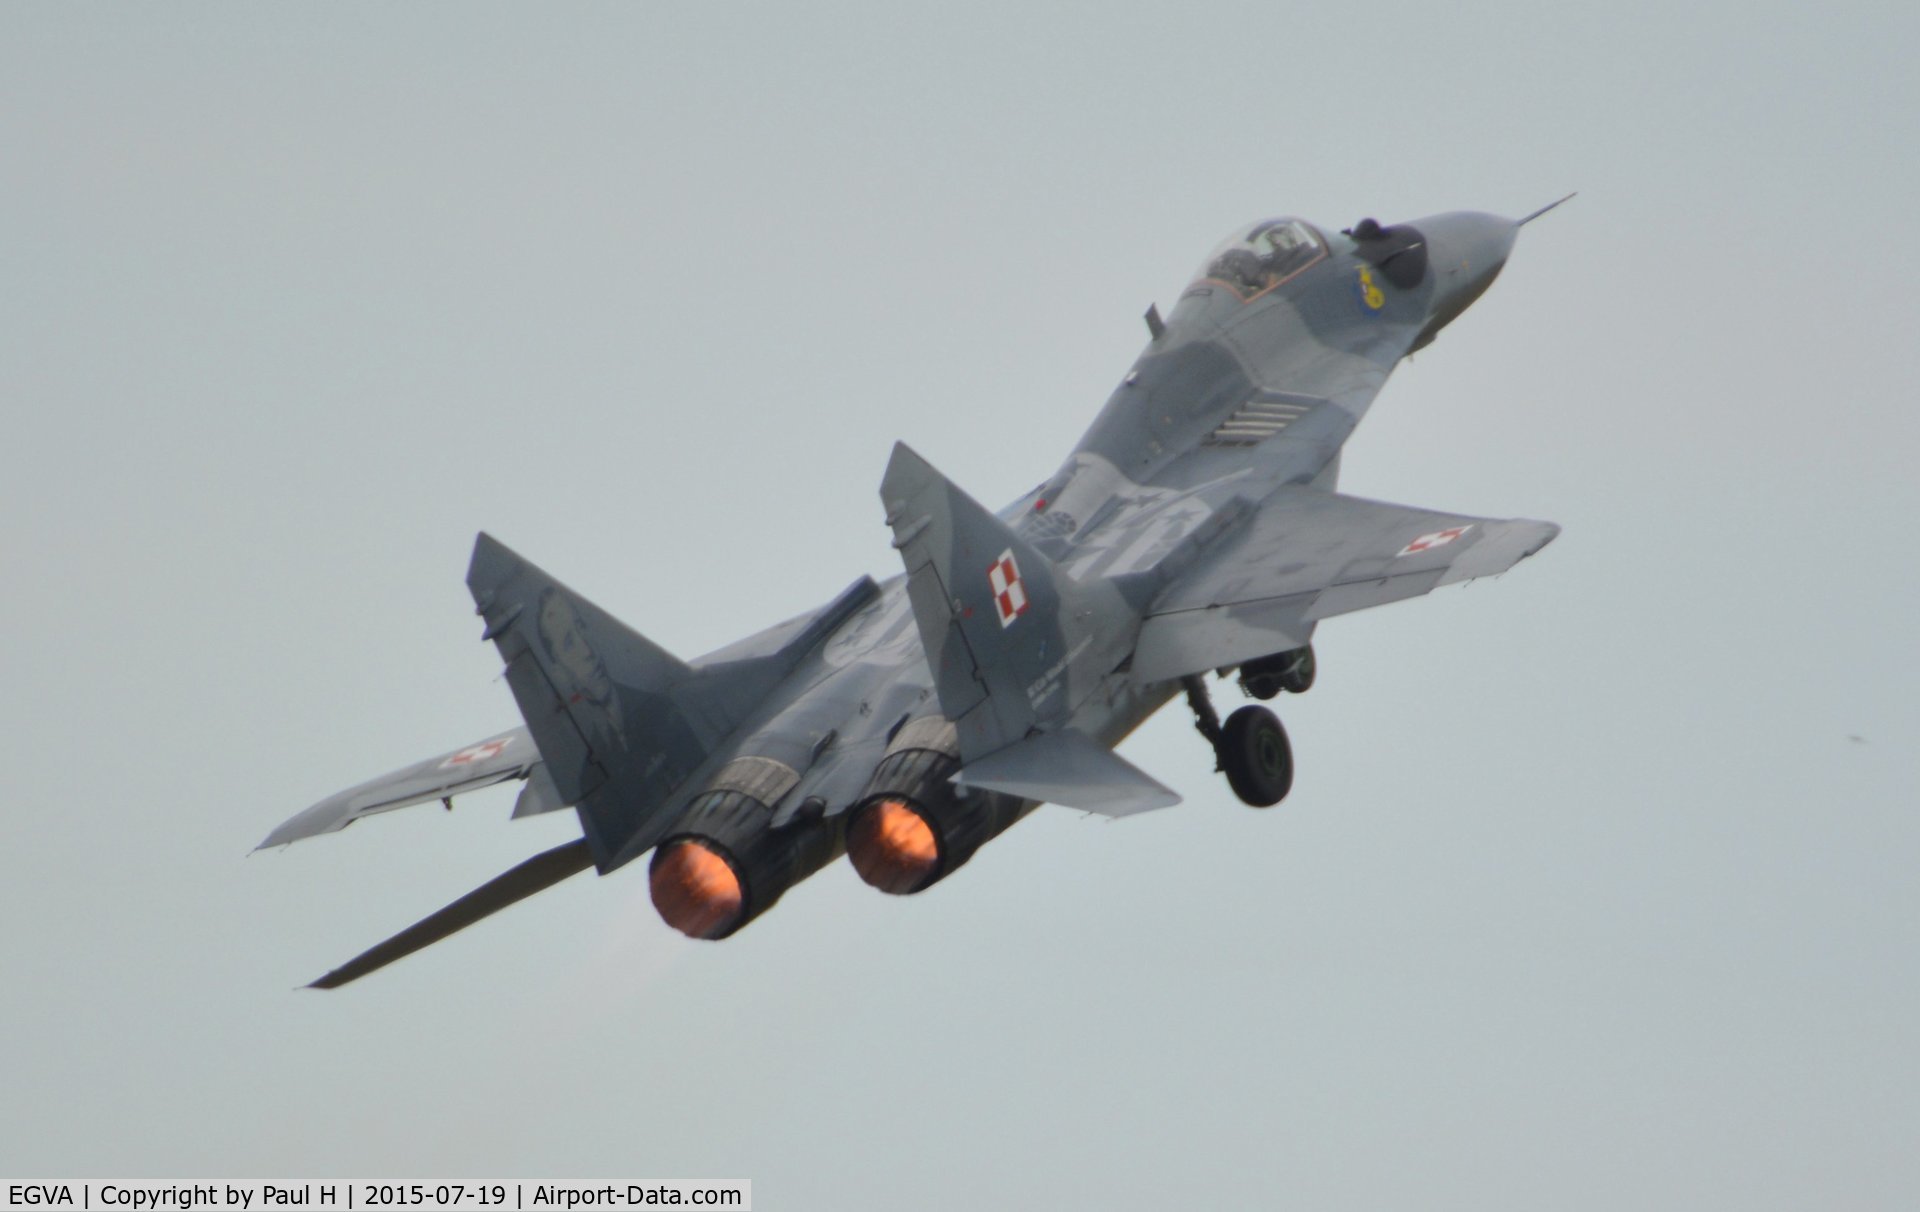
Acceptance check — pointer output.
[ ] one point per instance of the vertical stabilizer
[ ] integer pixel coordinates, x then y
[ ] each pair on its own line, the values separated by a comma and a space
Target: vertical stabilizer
1014, 642
608, 708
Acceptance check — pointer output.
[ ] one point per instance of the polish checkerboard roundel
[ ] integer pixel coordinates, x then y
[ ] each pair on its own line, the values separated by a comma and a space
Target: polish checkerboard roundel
1009, 592
1439, 538
478, 753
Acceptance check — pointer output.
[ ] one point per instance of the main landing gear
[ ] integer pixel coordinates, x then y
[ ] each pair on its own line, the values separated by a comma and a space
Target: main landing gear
1250, 748
1289, 671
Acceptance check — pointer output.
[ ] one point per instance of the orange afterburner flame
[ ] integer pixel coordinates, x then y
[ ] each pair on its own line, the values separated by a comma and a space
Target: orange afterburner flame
892, 847
696, 891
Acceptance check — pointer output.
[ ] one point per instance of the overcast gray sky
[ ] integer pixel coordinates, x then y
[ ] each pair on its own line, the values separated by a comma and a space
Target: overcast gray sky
1596, 888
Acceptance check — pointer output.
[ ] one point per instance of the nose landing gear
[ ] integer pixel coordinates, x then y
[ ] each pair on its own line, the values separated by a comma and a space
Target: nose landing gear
1251, 748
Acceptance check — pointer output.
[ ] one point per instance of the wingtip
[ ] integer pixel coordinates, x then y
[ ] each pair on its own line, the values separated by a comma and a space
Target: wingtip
1549, 531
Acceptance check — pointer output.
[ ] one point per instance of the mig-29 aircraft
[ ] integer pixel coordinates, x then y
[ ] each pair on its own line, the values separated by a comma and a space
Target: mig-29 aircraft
1195, 529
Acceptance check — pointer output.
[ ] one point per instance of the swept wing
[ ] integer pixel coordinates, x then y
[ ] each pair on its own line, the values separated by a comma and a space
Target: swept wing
1307, 555
506, 755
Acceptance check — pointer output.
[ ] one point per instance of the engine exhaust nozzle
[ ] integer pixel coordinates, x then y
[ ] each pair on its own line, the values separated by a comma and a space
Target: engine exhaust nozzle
892, 846
696, 889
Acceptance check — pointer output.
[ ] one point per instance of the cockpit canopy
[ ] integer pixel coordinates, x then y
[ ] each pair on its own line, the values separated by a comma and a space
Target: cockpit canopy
1260, 257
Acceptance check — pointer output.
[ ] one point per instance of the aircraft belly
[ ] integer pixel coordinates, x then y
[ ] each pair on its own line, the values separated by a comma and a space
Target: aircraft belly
1174, 645
1111, 717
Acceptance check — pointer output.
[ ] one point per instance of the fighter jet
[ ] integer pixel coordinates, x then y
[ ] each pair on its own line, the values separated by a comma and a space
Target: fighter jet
1195, 530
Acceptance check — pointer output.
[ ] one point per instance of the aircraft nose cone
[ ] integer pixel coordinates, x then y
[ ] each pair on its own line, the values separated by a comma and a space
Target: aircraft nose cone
1472, 248
1466, 250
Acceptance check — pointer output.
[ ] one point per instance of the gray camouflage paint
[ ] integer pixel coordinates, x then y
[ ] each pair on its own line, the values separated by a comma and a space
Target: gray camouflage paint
1194, 527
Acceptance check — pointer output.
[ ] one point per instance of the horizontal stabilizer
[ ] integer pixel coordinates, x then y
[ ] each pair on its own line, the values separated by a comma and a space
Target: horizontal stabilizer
539, 795
510, 755
1070, 769
538, 873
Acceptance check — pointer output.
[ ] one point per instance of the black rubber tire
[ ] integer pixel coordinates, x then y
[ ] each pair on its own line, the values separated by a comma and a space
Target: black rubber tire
1256, 757
1299, 678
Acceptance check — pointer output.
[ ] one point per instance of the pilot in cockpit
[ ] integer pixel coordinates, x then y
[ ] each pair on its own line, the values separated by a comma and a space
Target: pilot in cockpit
1289, 249
1268, 254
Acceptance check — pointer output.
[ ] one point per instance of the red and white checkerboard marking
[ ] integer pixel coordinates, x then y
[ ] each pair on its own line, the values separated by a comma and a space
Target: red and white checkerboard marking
478, 753
1439, 538
1009, 593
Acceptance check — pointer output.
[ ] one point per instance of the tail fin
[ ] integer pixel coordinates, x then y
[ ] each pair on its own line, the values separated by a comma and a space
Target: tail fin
621, 722
605, 704
1014, 642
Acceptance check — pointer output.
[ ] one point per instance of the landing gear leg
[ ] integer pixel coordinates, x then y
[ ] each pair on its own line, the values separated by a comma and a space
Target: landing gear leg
1251, 748
1206, 721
